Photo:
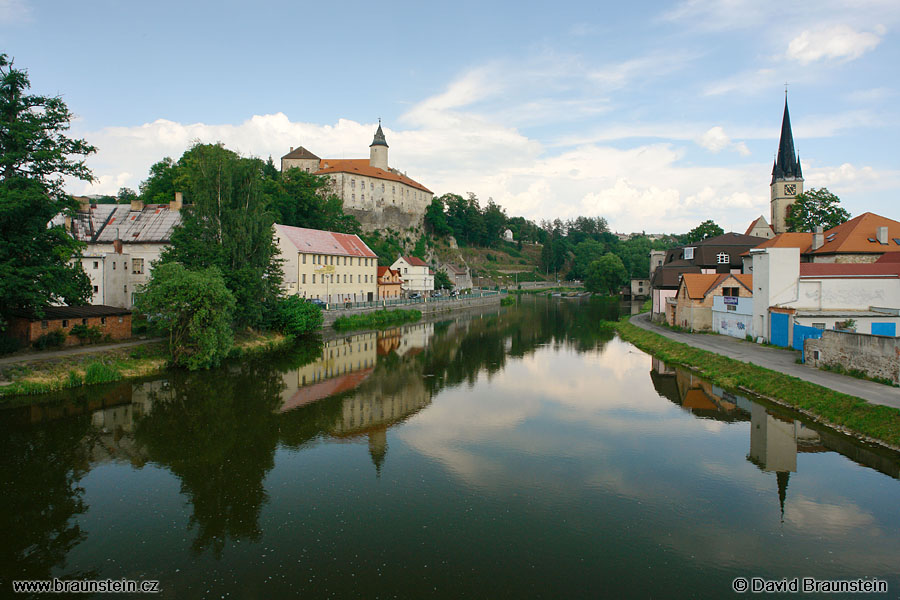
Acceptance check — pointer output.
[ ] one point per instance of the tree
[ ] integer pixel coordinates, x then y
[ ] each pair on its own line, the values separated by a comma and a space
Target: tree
195, 309
586, 252
704, 230
300, 199
436, 220
35, 154
814, 208
296, 317
606, 275
127, 195
228, 225
159, 187
442, 281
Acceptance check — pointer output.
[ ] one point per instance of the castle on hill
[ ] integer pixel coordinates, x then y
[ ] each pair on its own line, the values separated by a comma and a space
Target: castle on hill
373, 192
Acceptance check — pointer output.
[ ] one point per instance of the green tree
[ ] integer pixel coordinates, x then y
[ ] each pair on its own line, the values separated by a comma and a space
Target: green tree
126, 195
296, 317
228, 225
442, 281
436, 220
194, 309
494, 223
704, 230
586, 252
301, 199
813, 208
35, 155
606, 275
159, 187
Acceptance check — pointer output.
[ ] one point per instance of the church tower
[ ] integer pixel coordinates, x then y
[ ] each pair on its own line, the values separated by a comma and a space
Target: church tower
378, 150
787, 177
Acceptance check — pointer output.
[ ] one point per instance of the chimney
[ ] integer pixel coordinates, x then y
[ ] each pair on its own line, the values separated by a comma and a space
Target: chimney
882, 235
818, 238
177, 203
292, 148
84, 204
117, 246
137, 204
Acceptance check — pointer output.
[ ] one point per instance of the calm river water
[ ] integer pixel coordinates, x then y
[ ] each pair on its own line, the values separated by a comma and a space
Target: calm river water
518, 452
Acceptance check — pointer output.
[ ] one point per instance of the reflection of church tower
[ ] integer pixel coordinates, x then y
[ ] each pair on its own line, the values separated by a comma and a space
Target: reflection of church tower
773, 447
378, 150
782, 477
378, 448
787, 177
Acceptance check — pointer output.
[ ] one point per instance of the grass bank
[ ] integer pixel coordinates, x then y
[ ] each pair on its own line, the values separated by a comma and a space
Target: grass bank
53, 374
841, 411
376, 320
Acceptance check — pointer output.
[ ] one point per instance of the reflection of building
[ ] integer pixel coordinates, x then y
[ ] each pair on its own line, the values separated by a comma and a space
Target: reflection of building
698, 396
415, 338
344, 364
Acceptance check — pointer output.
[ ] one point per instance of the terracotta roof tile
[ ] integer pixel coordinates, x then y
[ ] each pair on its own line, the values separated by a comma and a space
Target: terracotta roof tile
853, 236
414, 261
361, 166
697, 284
325, 242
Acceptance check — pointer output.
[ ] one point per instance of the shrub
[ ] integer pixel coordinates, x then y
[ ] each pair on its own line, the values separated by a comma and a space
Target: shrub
53, 339
85, 334
74, 379
99, 372
296, 317
8, 344
377, 319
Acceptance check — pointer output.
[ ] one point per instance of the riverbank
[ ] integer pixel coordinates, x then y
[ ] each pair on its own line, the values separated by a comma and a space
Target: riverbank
45, 374
843, 412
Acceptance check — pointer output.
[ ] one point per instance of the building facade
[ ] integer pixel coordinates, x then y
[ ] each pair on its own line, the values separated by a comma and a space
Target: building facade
376, 194
390, 285
417, 276
328, 266
111, 321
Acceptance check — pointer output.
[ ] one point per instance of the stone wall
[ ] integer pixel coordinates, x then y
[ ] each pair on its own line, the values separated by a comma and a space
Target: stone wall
875, 355
388, 217
426, 308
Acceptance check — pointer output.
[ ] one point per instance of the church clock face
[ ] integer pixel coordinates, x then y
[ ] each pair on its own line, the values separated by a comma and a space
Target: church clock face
790, 189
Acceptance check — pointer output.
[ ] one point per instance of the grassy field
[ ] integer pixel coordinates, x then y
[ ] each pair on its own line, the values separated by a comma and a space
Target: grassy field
847, 413
55, 374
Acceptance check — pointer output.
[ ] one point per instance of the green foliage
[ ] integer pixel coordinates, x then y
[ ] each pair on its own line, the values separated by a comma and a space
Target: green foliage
195, 309
228, 225
586, 252
52, 339
9, 344
159, 187
606, 275
127, 195
442, 281
387, 248
704, 230
35, 156
101, 372
420, 248
300, 199
85, 334
436, 219
296, 317
73, 379
376, 320
813, 208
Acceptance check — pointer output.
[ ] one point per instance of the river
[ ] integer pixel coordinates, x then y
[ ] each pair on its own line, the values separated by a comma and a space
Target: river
522, 451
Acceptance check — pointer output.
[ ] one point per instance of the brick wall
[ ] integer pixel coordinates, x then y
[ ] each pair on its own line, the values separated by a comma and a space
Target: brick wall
118, 327
875, 355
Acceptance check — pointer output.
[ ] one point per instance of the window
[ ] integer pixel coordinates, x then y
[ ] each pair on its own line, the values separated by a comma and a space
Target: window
137, 266
722, 258
731, 291
819, 326
121, 319
65, 322
353, 197
304, 278
371, 186
103, 320
84, 321
304, 259
353, 184
345, 278
688, 254
314, 278
362, 197
125, 288
345, 261
731, 307
44, 324
114, 265
96, 289
382, 187
96, 264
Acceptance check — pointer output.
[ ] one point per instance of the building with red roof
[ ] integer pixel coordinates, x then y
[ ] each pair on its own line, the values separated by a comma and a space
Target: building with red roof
390, 284
372, 191
328, 266
417, 277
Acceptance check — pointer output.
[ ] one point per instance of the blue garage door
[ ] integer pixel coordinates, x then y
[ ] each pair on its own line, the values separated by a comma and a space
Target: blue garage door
884, 329
778, 333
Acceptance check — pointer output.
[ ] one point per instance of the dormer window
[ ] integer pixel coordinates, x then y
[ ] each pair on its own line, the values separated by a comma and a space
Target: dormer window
688, 254
722, 258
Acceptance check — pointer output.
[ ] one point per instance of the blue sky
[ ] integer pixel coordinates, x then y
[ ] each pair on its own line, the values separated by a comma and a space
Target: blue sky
653, 115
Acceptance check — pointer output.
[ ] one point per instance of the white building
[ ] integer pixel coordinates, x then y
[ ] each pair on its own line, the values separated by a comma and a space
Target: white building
116, 234
329, 266
821, 295
367, 187
417, 277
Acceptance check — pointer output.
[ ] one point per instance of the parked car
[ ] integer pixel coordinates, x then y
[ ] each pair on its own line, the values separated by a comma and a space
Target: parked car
454, 294
415, 296
318, 302
436, 295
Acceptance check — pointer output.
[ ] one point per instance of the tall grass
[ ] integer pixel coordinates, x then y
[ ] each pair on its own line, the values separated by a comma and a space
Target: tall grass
376, 320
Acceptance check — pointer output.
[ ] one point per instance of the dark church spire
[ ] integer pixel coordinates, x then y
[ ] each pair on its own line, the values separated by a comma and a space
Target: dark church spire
379, 137
787, 161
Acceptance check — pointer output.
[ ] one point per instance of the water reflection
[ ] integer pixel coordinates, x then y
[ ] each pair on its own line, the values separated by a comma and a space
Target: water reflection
536, 410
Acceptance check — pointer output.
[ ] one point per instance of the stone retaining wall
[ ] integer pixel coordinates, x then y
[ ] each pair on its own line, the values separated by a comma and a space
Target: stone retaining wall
875, 355
426, 308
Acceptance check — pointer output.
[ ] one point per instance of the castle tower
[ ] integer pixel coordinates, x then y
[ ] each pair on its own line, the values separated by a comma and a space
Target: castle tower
378, 150
787, 177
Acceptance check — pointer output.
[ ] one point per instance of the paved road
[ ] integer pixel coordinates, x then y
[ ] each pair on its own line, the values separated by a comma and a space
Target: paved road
37, 356
777, 359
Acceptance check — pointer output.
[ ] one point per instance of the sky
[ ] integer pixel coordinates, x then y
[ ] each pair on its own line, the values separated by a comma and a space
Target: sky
653, 115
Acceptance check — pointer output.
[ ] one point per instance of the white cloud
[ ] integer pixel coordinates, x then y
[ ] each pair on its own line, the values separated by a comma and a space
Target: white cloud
715, 140
14, 11
837, 42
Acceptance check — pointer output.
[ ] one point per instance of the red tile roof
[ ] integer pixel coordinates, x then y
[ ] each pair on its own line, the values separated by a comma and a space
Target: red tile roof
700, 284
315, 241
361, 166
414, 261
853, 236
848, 270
